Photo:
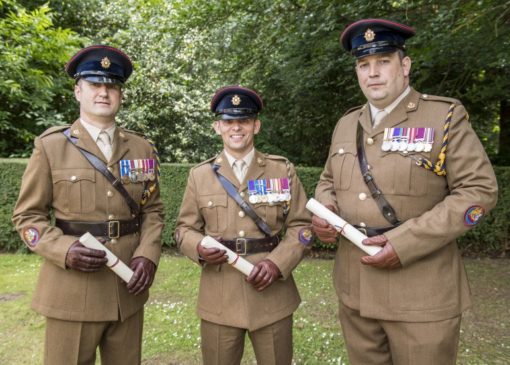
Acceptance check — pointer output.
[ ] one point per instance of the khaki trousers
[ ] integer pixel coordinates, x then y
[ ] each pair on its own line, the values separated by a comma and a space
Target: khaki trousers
373, 341
224, 345
69, 342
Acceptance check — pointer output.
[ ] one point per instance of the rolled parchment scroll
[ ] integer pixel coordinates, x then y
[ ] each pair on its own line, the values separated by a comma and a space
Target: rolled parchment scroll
114, 263
344, 228
233, 258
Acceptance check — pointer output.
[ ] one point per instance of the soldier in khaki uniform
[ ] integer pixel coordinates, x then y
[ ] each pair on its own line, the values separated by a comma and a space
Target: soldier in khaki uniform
426, 180
85, 303
230, 304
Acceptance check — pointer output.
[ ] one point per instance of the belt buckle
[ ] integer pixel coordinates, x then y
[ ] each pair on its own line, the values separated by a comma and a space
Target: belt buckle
113, 229
241, 246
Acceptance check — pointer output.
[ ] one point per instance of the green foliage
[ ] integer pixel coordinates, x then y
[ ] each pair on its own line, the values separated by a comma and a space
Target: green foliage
490, 238
34, 91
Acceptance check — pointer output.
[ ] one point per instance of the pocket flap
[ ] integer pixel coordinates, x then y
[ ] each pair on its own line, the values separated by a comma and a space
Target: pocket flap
213, 200
342, 148
73, 175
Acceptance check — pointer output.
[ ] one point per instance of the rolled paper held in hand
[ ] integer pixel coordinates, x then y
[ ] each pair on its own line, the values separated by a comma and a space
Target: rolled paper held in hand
233, 258
345, 229
114, 263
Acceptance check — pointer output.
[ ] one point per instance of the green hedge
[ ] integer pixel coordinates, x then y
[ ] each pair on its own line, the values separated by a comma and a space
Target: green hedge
490, 238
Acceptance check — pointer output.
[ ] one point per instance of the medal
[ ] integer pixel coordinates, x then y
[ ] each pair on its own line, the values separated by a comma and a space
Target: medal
429, 140
420, 138
124, 171
411, 146
402, 146
252, 192
285, 189
132, 171
396, 139
151, 174
386, 145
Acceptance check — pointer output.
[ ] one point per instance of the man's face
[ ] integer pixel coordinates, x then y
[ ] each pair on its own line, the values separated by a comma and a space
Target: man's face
383, 77
238, 135
98, 102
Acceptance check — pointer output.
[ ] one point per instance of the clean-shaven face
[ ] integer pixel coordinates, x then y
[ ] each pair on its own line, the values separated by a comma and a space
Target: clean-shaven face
383, 77
99, 103
238, 135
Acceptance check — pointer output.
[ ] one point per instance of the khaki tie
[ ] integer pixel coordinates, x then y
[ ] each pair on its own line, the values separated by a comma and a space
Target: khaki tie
105, 145
381, 114
239, 169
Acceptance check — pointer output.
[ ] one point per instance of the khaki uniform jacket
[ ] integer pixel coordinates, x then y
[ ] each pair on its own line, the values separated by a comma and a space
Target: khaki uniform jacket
432, 283
60, 179
224, 296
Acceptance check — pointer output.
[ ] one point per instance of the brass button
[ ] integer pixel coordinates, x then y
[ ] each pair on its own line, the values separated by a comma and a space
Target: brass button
109, 194
110, 168
362, 224
209, 203
219, 160
73, 178
242, 194
113, 240
241, 214
370, 141
241, 233
111, 216
341, 151
362, 196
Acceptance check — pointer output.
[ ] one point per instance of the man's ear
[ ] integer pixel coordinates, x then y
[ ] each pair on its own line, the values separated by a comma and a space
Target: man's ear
257, 126
216, 126
406, 65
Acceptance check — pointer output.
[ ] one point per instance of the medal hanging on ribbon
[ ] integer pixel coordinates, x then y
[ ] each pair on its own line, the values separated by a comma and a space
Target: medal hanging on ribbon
252, 192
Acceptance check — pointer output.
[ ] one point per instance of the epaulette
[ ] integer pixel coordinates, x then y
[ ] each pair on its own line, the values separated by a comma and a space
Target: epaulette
349, 111
130, 131
443, 99
208, 161
51, 130
276, 157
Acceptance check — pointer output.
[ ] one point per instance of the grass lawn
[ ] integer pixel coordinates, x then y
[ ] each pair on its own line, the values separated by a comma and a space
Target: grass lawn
171, 332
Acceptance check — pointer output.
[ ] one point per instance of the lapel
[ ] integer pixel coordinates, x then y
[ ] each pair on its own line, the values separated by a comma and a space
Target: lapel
255, 170
226, 170
399, 114
120, 146
365, 119
85, 141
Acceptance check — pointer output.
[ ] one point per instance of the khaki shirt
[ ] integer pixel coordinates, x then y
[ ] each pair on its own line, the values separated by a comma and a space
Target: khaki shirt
432, 283
60, 179
224, 296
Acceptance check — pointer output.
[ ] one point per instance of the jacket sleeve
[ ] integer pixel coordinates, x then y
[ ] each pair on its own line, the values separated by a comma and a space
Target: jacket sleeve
152, 218
472, 183
290, 251
190, 223
31, 215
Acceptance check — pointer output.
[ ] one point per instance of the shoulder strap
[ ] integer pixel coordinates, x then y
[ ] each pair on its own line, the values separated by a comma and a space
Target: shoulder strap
232, 191
101, 167
386, 209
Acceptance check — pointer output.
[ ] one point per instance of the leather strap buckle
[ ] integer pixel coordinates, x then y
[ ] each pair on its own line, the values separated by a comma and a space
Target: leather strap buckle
241, 246
362, 230
113, 229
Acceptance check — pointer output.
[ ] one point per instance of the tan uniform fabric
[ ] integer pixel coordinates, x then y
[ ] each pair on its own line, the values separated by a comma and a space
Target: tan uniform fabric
224, 296
432, 284
272, 344
59, 178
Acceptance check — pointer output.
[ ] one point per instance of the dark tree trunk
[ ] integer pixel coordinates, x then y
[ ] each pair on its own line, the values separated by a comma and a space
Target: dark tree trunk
504, 133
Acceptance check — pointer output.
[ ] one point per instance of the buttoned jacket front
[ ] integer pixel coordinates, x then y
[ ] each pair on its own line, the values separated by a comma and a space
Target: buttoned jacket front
60, 179
432, 283
224, 296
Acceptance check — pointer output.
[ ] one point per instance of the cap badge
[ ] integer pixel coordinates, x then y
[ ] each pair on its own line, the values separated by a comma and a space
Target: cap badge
369, 35
105, 62
236, 100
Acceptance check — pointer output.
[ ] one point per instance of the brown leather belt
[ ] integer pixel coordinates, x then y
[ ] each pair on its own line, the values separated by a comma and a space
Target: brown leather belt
245, 246
110, 229
373, 231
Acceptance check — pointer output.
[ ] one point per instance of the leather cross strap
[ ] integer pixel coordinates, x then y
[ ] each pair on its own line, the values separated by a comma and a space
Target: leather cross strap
101, 167
386, 209
232, 191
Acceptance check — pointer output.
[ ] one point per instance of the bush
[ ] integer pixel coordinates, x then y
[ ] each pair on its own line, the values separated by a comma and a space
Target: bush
487, 239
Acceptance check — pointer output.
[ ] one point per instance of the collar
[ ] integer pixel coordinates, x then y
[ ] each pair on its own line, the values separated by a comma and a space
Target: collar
247, 158
374, 110
94, 131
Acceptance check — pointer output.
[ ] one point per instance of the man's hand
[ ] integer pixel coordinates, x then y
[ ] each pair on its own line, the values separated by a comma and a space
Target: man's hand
144, 275
263, 274
212, 256
85, 259
324, 231
386, 258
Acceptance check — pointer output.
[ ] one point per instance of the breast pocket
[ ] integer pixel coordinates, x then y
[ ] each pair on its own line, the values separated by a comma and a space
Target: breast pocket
74, 190
269, 213
214, 210
343, 161
408, 178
